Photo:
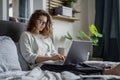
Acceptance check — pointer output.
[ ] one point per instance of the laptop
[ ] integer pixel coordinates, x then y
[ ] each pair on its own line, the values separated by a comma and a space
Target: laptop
78, 52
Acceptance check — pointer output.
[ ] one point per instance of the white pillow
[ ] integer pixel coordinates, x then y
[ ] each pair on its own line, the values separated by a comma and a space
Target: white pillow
8, 55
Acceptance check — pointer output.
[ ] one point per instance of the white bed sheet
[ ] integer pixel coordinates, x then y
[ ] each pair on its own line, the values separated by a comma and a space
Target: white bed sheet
102, 63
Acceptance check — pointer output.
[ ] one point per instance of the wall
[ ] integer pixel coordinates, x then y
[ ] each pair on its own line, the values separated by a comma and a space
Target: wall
3, 10
15, 8
60, 28
91, 10
86, 16
39, 4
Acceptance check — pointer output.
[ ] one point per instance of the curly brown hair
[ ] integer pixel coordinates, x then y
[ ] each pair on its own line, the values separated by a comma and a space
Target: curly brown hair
47, 31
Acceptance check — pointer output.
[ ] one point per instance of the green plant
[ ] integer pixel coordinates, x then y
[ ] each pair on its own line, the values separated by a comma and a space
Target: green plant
69, 3
83, 36
68, 36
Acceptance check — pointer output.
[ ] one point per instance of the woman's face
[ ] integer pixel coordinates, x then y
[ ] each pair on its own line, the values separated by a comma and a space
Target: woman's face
41, 23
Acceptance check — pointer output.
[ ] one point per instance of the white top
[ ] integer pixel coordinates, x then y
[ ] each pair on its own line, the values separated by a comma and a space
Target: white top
32, 45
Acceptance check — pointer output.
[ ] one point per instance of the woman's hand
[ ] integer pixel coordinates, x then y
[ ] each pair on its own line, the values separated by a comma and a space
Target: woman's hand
58, 57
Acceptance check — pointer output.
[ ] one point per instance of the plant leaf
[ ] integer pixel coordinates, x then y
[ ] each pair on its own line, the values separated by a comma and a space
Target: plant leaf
94, 39
94, 31
83, 36
100, 35
68, 36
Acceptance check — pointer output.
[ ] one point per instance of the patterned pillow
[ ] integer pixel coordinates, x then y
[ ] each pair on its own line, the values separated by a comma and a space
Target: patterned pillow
8, 55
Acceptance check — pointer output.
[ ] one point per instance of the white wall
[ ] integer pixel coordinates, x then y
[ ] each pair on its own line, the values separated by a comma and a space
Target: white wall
60, 29
91, 11
15, 8
3, 9
86, 16
39, 4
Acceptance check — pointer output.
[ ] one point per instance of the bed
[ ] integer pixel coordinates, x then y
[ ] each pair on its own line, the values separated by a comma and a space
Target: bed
14, 67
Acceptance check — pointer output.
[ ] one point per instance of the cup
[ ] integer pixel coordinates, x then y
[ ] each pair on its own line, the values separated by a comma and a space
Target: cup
61, 50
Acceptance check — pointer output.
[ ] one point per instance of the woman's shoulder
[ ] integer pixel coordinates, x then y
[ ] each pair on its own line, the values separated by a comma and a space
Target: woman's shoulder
26, 33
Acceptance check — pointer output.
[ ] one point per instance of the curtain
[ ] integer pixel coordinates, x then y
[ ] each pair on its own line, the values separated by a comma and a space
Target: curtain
107, 20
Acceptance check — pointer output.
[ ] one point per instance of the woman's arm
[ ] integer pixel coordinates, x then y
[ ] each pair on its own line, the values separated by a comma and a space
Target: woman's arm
26, 48
51, 54
40, 59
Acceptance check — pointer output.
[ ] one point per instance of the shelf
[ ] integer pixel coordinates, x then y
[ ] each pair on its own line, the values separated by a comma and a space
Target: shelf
65, 18
74, 12
57, 3
53, 4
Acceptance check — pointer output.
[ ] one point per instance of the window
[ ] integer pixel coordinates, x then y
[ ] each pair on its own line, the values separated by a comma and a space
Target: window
19, 9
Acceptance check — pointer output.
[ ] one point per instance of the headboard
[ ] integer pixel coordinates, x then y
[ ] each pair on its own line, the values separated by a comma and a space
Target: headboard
14, 30
11, 29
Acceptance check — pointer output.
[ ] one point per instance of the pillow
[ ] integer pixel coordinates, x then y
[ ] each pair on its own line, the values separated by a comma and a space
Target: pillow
8, 55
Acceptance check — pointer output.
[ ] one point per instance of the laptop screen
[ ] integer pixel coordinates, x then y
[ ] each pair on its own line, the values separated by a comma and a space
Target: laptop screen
78, 52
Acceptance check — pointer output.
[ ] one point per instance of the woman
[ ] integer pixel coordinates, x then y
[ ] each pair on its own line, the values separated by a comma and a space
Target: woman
36, 45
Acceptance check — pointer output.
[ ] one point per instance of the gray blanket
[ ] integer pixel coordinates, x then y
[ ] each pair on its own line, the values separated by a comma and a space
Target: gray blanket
38, 74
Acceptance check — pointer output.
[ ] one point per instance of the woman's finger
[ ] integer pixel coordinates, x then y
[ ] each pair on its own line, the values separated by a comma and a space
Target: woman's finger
61, 58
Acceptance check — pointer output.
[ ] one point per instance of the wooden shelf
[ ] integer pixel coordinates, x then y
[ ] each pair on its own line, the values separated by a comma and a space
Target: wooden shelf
65, 18
57, 3
53, 4
74, 12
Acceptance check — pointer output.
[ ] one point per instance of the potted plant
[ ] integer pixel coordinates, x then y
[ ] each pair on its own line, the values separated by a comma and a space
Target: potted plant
93, 37
69, 3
